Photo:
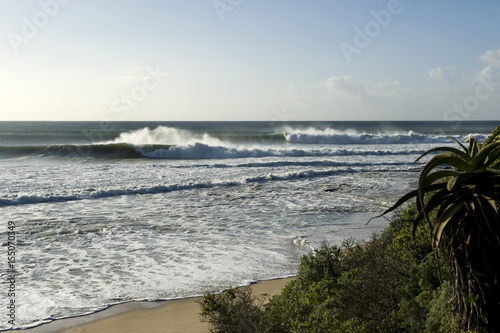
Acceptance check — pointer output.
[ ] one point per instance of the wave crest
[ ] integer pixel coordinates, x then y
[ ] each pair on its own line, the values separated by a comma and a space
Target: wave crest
332, 136
203, 151
164, 135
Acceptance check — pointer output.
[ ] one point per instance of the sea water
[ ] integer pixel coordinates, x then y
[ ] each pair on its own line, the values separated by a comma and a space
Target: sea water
107, 213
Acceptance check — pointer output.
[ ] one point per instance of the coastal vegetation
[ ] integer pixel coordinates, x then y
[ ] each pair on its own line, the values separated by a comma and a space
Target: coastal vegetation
390, 284
467, 223
437, 276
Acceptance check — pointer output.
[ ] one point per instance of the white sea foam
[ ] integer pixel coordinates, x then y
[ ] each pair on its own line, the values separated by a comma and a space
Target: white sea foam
204, 151
190, 145
197, 217
164, 245
332, 136
130, 184
303, 244
164, 135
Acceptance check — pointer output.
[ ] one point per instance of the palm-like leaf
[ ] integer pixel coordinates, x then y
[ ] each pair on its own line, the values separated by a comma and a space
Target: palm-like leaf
463, 186
448, 215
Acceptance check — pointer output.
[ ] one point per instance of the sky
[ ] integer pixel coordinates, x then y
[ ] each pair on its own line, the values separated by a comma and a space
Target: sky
200, 60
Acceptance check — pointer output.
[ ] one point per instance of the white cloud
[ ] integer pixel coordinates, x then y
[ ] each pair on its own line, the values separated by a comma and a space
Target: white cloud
491, 57
291, 90
389, 89
489, 74
345, 87
444, 74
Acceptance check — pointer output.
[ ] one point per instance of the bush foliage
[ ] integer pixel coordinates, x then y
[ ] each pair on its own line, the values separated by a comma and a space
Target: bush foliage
394, 283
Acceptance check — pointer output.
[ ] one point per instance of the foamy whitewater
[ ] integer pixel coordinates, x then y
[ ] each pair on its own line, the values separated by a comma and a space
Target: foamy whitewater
117, 212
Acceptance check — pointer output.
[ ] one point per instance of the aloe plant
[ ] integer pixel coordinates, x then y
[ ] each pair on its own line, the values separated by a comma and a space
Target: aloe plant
463, 185
494, 138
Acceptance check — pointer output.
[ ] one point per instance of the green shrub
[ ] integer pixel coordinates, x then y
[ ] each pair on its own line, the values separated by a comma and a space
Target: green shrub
440, 318
234, 311
306, 304
390, 284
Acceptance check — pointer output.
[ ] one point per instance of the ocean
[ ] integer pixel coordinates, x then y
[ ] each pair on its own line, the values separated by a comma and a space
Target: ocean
106, 213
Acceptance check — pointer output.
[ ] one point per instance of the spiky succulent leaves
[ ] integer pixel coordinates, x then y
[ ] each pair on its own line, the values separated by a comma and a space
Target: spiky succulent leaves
482, 239
486, 156
467, 177
450, 215
447, 186
443, 159
440, 176
492, 137
459, 184
460, 144
463, 187
488, 220
405, 198
464, 154
473, 147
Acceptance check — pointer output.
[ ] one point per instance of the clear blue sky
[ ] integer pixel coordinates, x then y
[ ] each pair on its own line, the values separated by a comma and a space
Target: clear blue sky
249, 60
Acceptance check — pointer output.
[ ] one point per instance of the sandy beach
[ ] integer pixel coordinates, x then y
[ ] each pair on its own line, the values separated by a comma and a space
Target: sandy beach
179, 316
202, 216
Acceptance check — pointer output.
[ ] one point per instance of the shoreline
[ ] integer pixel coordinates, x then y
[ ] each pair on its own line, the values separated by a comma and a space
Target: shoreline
177, 315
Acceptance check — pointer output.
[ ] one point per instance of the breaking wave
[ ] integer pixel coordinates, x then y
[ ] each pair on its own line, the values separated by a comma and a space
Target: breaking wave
332, 136
171, 143
203, 151
106, 192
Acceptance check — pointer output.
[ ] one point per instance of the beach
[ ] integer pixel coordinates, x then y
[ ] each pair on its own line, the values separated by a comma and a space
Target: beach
179, 316
134, 213
154, 152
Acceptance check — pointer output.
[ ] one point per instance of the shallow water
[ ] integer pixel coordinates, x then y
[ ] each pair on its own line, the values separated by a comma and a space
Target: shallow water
197, 207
